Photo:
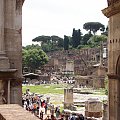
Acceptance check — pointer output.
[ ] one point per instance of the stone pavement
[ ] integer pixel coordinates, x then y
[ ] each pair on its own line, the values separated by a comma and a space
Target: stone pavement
15, 112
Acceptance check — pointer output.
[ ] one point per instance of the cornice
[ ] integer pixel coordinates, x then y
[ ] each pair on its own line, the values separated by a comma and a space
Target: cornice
23, 2
112, 9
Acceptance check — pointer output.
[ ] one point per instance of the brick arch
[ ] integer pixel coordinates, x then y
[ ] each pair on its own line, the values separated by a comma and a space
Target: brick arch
118, 66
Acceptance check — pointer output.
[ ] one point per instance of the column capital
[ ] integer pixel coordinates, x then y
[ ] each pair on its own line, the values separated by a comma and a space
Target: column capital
112, 9
19, 3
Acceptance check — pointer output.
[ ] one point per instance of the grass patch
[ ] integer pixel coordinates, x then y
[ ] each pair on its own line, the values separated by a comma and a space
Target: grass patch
45, 89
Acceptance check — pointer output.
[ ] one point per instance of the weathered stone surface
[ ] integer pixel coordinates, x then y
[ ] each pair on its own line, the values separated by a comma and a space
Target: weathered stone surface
15, 112
113, 13
11, 49
105, 111
93, 108
68, 98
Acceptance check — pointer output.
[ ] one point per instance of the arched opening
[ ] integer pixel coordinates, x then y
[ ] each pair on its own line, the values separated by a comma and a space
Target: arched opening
118, 66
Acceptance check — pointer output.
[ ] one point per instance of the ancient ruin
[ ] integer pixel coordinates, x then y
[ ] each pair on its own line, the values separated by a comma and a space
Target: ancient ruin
113, 13
82, 60
11, 54
68, 98
11, 51
84, 63
93, 108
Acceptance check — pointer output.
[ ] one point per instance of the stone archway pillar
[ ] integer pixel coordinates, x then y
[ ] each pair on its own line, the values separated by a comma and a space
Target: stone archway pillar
114, 97
4, 62
113, 13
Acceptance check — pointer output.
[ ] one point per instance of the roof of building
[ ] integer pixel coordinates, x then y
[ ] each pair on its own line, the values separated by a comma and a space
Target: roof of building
31, 75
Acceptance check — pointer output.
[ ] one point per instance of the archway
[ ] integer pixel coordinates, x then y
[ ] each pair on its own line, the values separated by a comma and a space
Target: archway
118, 67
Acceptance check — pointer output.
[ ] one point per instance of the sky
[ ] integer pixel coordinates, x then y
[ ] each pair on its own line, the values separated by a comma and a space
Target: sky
59, 17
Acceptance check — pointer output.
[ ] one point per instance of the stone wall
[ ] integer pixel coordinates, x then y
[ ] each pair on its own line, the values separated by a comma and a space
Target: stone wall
83, 59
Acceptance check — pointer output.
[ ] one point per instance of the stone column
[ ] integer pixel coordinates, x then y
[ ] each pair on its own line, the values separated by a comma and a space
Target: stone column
8, 99
68, 98
1, 26
4, 62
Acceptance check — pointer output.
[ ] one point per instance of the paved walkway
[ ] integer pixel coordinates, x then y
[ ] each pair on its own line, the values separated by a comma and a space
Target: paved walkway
15, 112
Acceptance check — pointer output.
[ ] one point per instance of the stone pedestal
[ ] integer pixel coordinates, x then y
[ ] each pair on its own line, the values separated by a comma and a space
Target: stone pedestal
93, 108
68, 98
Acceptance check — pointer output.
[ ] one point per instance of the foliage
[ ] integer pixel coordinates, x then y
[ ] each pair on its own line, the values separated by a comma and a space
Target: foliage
46, 47
83, 46
31, 47
49, 43
42, 39
95, 40
57, 40
70, 40
76, 38
66, 42
85, 38
76, 41
105, 32
93, 27
33, 57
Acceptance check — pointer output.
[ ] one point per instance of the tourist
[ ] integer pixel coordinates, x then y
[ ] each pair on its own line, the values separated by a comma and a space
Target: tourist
41, 115
52, 110
34, 108
57, 111
48, 118
81, 117
52, 117
46, 107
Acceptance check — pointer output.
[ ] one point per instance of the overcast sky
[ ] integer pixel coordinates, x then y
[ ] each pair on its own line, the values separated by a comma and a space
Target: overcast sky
59, 17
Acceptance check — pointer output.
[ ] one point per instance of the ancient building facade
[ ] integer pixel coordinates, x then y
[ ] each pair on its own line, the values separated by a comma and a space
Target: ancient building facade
83, 59
11, 51
113, 13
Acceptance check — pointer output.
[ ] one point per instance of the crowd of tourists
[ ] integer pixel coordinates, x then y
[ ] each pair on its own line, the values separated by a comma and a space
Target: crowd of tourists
39, 107
45, 110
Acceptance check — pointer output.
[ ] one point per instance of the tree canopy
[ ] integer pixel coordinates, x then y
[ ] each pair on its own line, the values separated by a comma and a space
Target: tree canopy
66, 42
42, 39
33, 57
95, 40
85, 38
76, 41
49, 43
93, 27
76, 38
